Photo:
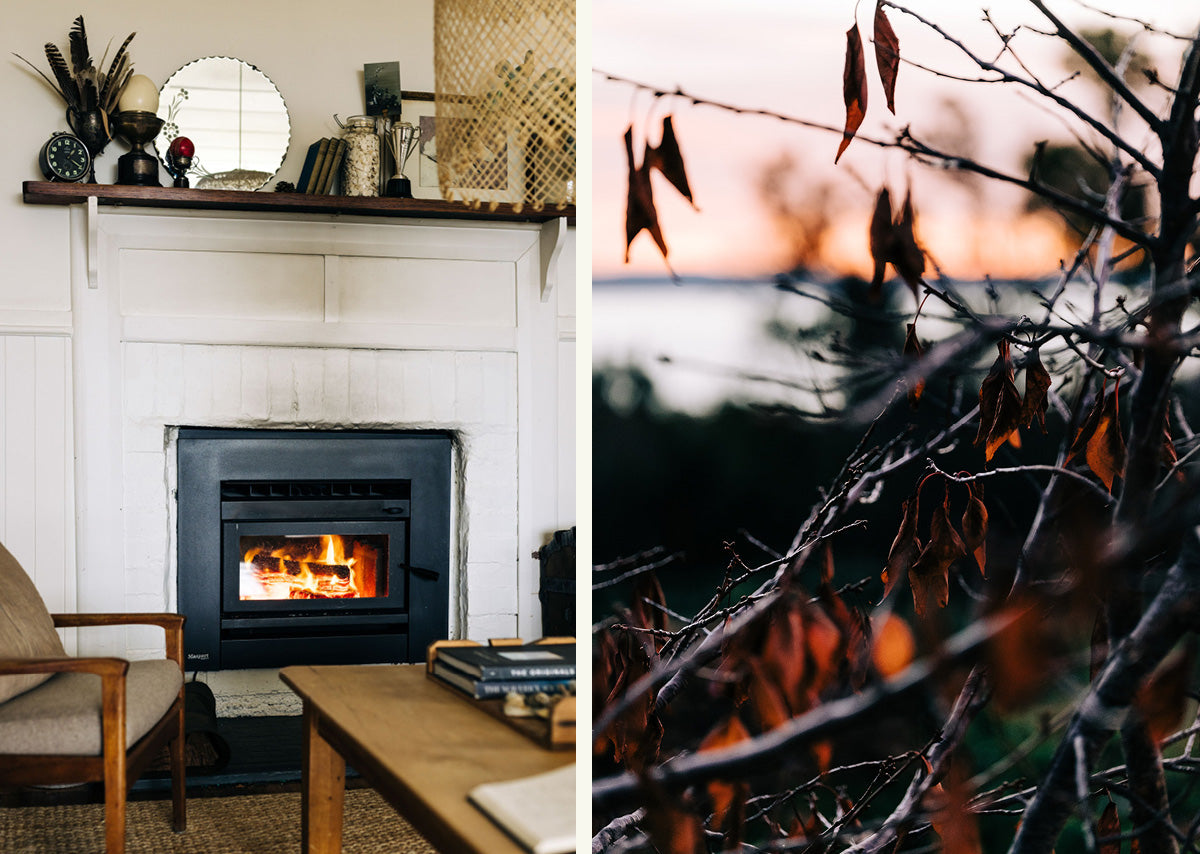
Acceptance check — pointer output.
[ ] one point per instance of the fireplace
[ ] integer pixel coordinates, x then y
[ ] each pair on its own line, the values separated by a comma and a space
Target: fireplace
312, 547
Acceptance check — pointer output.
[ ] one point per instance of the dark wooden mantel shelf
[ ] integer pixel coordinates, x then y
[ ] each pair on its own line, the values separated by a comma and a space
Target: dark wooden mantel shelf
51, 193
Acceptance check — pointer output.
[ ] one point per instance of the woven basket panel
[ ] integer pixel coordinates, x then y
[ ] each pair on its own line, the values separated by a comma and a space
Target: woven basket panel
505, 98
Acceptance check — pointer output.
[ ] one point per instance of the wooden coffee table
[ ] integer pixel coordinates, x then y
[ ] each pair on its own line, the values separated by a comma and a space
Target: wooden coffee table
419, 743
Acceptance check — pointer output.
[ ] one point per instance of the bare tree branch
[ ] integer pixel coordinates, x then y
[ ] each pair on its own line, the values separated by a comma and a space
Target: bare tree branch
1098, 64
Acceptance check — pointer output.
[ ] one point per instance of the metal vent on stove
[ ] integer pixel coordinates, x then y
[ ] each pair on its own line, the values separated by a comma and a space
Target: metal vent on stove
257, 490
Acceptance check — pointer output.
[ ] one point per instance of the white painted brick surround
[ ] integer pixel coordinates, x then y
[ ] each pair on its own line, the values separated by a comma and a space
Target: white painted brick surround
298, 388
472, 394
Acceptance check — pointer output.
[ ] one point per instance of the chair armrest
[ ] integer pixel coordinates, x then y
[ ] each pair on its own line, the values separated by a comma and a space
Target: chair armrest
112, 690
172, 624
100, 666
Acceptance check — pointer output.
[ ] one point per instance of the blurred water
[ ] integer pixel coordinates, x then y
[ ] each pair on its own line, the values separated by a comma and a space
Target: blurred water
714, 332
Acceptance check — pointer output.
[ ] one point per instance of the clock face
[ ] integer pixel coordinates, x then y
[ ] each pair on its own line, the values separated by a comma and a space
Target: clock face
65, 158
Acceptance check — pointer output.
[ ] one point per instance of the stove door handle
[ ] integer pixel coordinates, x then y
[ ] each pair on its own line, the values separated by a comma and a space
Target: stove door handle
421, 572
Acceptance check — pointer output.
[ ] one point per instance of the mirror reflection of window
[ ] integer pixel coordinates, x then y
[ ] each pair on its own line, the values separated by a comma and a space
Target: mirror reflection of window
232, 113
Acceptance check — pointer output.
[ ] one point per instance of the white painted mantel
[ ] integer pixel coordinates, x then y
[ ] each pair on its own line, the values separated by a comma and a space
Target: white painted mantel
188, 318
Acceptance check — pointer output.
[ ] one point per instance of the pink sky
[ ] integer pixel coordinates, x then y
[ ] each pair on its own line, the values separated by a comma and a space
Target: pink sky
788, 57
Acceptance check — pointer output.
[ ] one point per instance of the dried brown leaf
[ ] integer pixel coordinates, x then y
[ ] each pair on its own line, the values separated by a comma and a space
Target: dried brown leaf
647, 594
764, 696
1105, 452
668, 159
1088, 427
855, 632
930, 575
1163, 699
728, 799
640, 212
975, 526
999, 405
1109, 828
913, 352
674, 830
783, 660
854, 88
892, 646
907, 257
1020, 657
1037, 384
887, 55
905, 547
881, 241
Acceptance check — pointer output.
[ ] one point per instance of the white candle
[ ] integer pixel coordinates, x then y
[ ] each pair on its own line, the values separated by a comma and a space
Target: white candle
140, 95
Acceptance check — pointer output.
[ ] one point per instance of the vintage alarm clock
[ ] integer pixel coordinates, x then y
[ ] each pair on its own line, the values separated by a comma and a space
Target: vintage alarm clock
64, 157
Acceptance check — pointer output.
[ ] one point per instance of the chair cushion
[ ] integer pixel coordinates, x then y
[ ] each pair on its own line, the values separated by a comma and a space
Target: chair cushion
26, 630
62, 716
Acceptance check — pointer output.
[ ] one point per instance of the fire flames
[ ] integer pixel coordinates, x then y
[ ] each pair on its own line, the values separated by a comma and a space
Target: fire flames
311, 567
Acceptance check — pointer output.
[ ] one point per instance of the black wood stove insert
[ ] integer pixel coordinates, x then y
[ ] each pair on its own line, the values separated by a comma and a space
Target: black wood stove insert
312, 547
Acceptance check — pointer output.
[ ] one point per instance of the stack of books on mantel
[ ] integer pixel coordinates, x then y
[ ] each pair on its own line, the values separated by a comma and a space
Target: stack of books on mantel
493, 672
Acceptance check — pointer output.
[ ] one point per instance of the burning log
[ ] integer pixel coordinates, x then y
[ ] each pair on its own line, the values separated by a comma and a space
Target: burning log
279, 565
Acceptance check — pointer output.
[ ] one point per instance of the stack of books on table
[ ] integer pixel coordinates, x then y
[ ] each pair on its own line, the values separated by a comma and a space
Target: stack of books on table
492, 672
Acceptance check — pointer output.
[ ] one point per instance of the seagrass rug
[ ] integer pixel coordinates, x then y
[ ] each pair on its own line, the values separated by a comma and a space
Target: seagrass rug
243, 824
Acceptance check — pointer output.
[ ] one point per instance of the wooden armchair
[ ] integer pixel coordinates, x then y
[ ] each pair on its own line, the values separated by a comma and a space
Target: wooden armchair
59, 725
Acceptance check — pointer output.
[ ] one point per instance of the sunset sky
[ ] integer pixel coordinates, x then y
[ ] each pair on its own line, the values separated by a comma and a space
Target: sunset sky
787, 57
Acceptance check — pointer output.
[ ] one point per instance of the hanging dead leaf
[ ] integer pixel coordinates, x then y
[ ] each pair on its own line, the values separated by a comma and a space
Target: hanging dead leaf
1108, 830
906, 547
648, 610
887, 55
822, 754
930, 575
854, 88
765, 697
1088, 427
975, 526
1020, 656
999, 405
1105, 453
892, 645
950, 814
1163, 698
636, 734
826, 647
881, 240
855, 633
782, 655
640, 212
728, 799
1037, 384
672, 829
913, 353
668, 160
827, 564
893, 241
907, 257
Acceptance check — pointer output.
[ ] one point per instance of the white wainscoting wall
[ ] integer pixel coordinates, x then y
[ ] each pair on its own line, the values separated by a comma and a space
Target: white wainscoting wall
264, 320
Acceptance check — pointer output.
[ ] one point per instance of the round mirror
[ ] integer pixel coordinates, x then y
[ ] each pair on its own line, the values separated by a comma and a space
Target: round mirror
235, 117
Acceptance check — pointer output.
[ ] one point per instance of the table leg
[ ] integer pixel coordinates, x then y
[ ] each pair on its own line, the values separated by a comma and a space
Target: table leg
323, 790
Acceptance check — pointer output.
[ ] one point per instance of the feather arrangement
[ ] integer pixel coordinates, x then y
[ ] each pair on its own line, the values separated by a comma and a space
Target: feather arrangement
79, 82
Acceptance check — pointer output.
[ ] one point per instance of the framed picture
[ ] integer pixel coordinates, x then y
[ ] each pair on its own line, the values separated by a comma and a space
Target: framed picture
496, 176
381, 87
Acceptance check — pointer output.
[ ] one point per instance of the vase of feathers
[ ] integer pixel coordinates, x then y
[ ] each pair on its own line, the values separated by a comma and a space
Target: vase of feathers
91, 95
91, 126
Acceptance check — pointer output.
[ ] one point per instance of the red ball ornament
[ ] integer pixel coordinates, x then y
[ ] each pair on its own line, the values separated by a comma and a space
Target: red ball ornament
181, 146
